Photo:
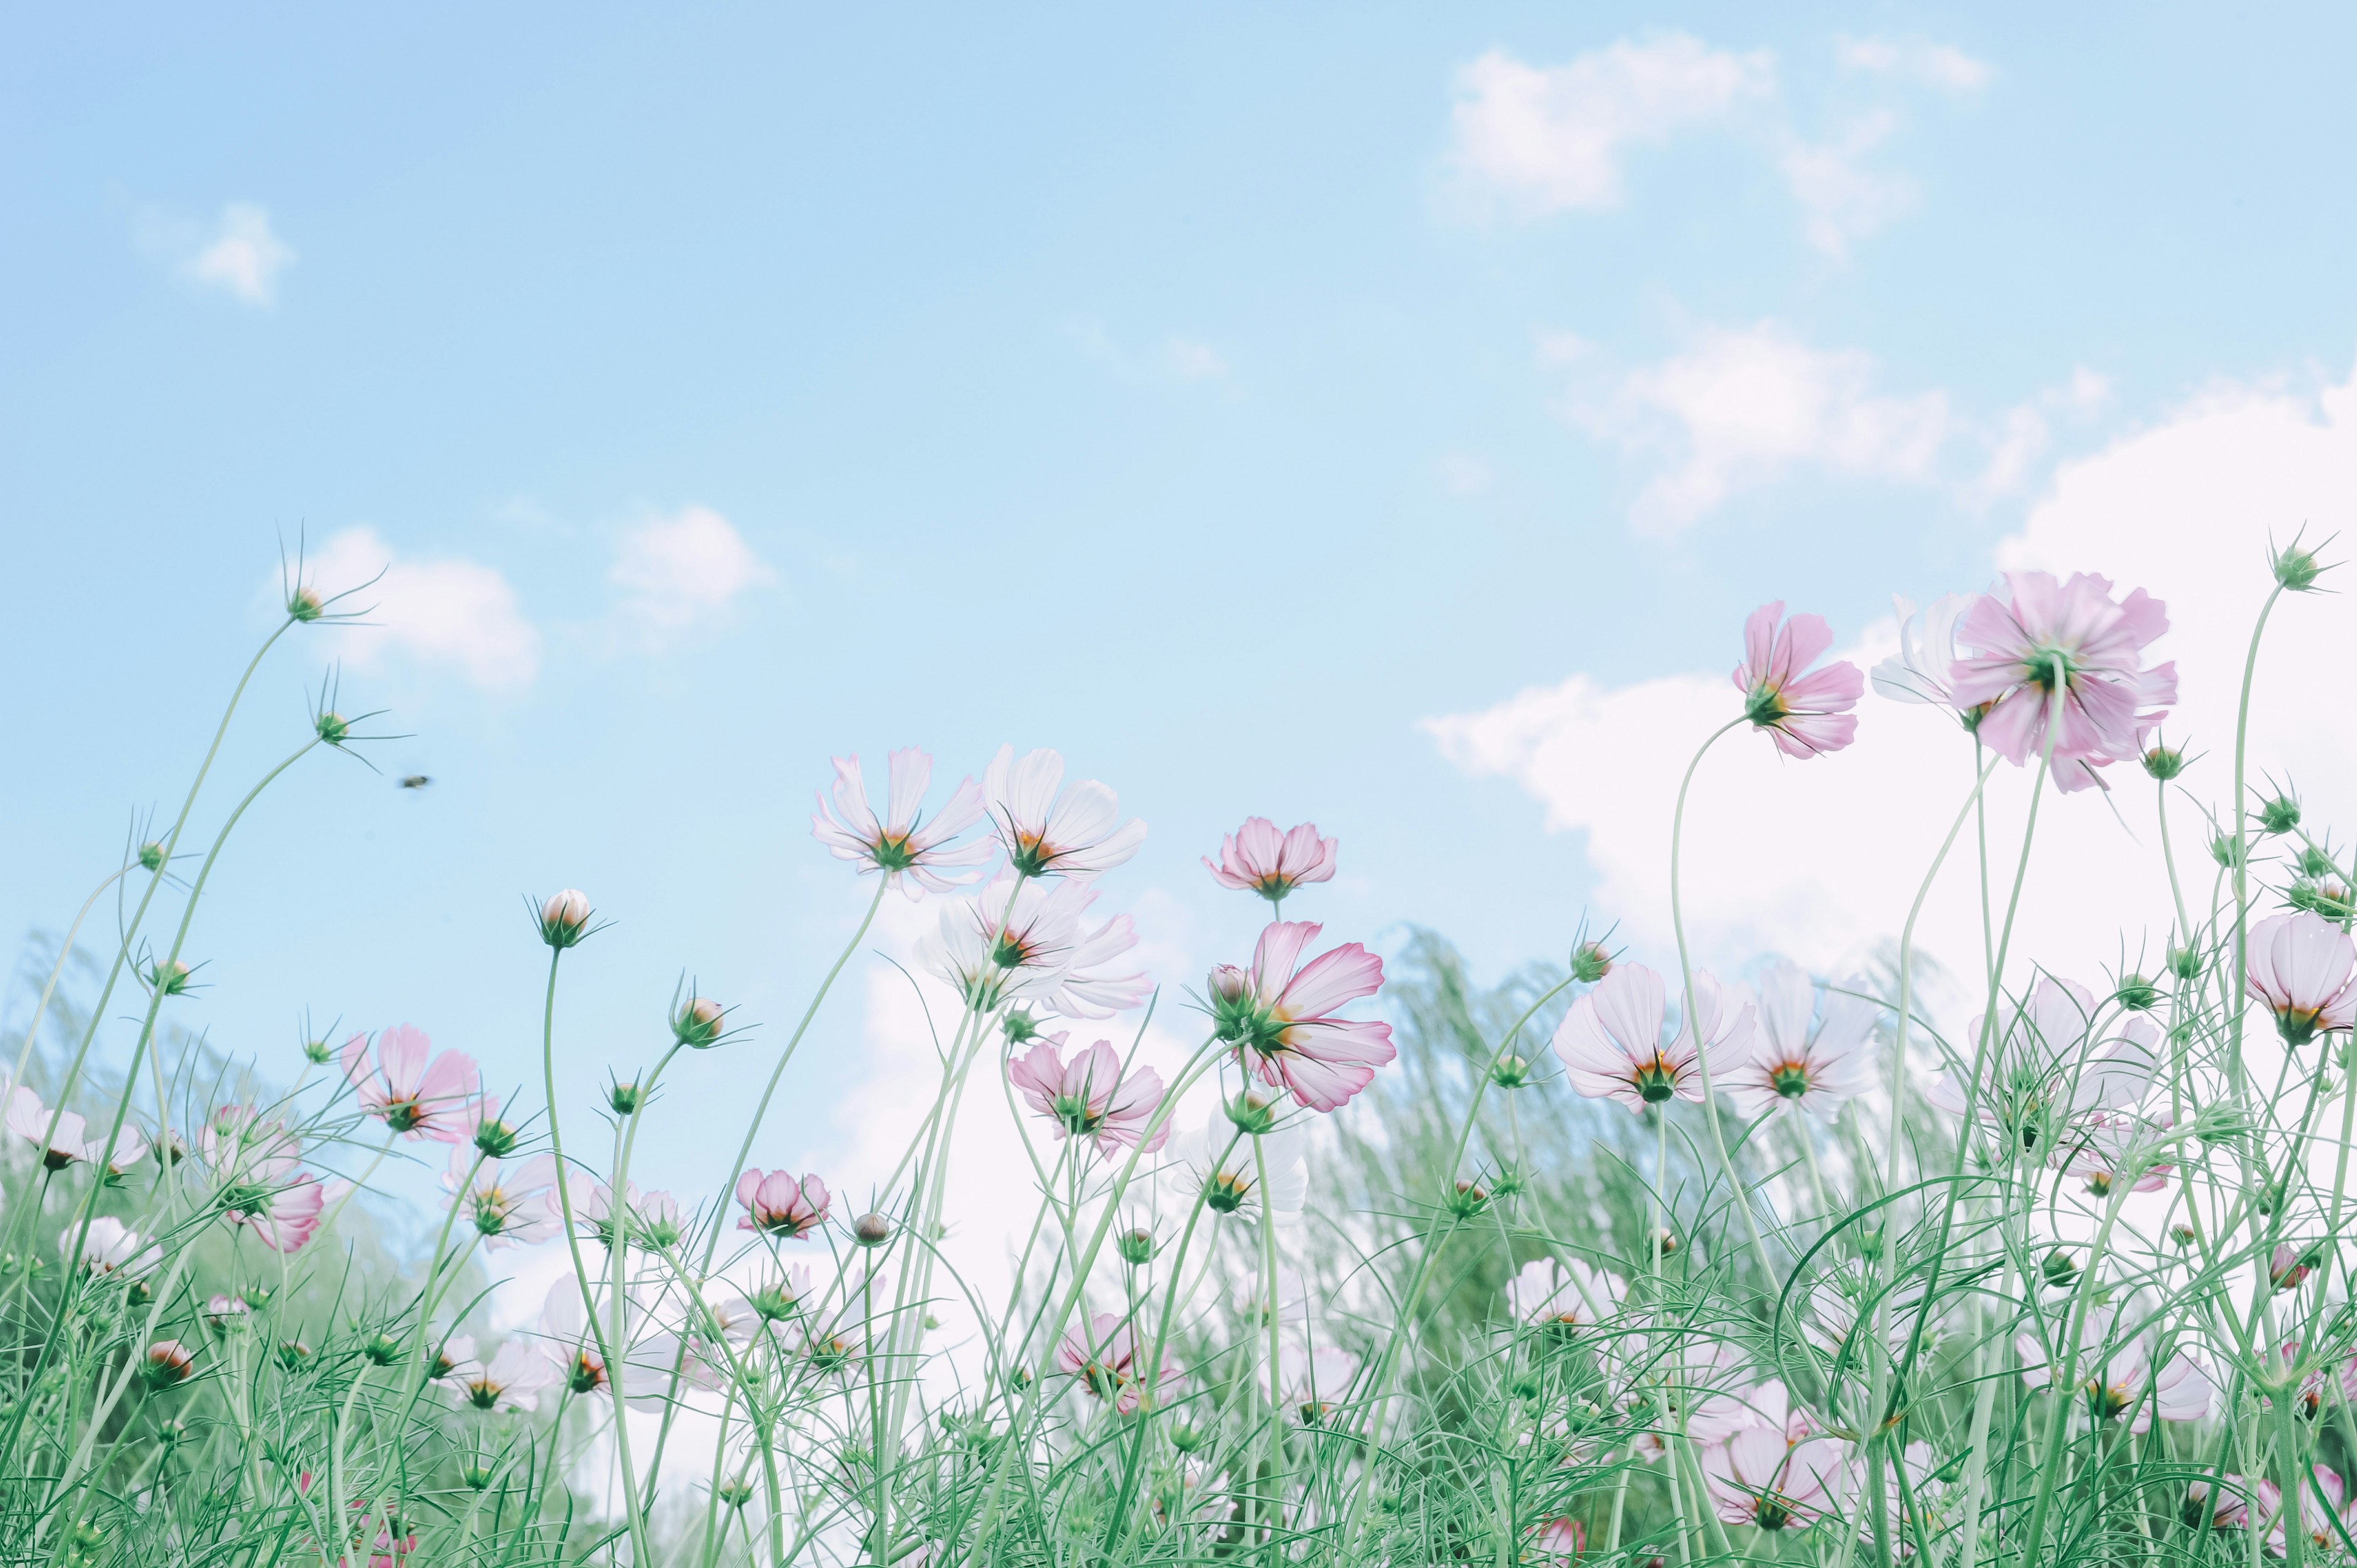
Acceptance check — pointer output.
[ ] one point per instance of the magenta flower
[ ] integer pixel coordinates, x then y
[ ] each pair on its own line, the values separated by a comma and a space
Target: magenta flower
1610, 1041
284, 1218
780, 1203
1256, 858
908, 849
1804, 713
2300, 966
1088, 1098
1045, 832
1107, 1358
409, 1093
1281, 1017
2045, 636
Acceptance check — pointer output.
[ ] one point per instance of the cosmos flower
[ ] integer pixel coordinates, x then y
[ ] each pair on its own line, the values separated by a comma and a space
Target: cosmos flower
1088, 1097
2041, 635
2230, 1507
1030, 942
2319, 1515
780, 1204
512, 1379
1789, 1069
2099, 1146
1805, 714
1107, 1357
409, 1093
1227, 1169
1316, 1382
1556, 1544
2118, 1379
508, 1209
284, 1218
1923, 669
1757, 1477
1283, 1017
2299, 965
1566, 1292
1256, 858
2054, 1067
1045, 833
911, 851
1611, 1040
70, 1140
111, 1247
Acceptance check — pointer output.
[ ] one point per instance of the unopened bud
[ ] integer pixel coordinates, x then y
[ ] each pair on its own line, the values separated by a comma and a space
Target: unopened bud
495, 1139
871, 1230
2185, 963
169, 976
565, 918
478, 1476
1136, 1246
1666, 1241
776, 1301
1510, 1072
2296, 569
2314, 862
1591, 962
698, 1024
1228, 983
169, 1362
2225, 851
624, 1096
1187, 1439
2279, 815
304, 604
1469, 1198
151, 855
332, 727
738, 1491
2137, 993
1021, 1027
2184, 1235
318, 1053
383, 1350
2164, 762
2059, 1267
1251, 1114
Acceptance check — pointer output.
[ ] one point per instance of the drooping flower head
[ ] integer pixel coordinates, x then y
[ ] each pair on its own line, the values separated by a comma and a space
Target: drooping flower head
781, 1204
1805, 713
2301, 965
1563, 1292
1611, 1040
1089, 1098
1256, 858
1073, 833
1789, 1068
1109, 1357
412, 1095
1032, 942
2041, 637
911, 851
1282, 1016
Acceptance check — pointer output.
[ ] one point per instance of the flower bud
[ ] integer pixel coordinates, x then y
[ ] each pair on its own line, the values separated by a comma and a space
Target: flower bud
1665, 1241
1591, 962
2279, 815
565, 918
1469, 1198
2137, 993
1020, 1027
478, 1476
305, 604
2184, 1235
494, 1139
1187, 1439
2295, 568
2185, 963
318, 1053
624, 1096
1251, 1114
293, 1354
169, 1362
737, 1491
1228, 983
383, 1350
776, 1301
1136, 1246
2060, 1268
2164, 762
1510, 1072
332, 727
169, 976
151, 855
1507, 1184
258, 1296
2225, 851
697, 1024
871, 1230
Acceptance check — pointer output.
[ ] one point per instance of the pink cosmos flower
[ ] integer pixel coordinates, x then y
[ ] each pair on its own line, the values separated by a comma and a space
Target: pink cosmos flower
909, 850
1564, 1293
509, 1208
2042, 635
70, 1140
111, 1247
780, 1204
2230, 1508
1790, 1069
1256, 858
1758, 1477
2318, 1516
410, 1094
1106, 1356
2053, 1065
1804, 715
1610, 1041
1071, 834
2300, 965
512, 1380
1088, 1097
1281, 1017
284, 1218
1555, 1542
2098, 1150
2118, 1379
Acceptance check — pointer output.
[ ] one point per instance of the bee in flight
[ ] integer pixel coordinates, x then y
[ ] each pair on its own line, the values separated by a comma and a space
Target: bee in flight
415, 781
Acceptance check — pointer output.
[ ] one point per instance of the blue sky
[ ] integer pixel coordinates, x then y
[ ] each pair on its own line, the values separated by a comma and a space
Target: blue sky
1214, 394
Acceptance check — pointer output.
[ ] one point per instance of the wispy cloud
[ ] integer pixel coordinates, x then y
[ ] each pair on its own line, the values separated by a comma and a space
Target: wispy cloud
1194, 361
1841, 199
683, 571
241, 254
1550, 138
1935, 65
445, 612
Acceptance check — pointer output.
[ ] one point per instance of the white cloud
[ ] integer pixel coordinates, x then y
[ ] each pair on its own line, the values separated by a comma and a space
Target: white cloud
1842, 201
1821, 859
1194, 361
684, 570
243, 255
1548, 138
449, 612
1742, 406
1936, 65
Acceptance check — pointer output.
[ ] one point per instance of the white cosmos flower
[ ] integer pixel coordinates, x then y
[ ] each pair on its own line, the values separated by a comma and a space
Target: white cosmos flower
1047, 834
1567, 1290
1040, 948
1920, 670
1789, 1068
2060, 1058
